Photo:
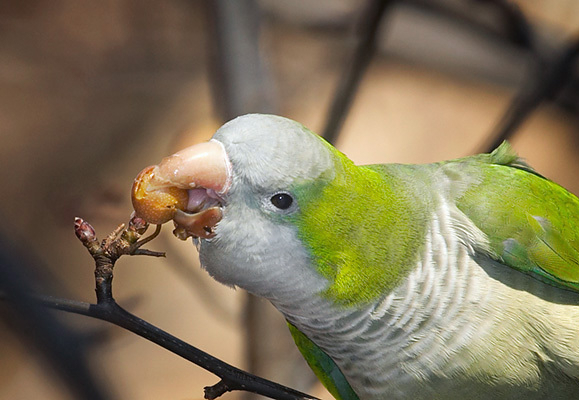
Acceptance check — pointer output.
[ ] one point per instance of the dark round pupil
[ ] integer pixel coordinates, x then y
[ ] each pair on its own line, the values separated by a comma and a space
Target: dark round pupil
282, 201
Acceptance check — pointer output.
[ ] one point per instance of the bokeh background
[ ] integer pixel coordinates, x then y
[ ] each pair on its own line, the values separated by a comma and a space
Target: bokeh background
93, 91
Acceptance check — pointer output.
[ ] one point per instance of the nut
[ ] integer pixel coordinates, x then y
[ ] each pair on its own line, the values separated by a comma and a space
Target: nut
156, 205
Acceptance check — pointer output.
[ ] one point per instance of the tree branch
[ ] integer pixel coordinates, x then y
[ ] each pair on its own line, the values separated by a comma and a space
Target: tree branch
231, 378
126, 240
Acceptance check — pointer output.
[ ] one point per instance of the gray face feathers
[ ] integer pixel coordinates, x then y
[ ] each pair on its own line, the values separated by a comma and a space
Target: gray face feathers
253, 247
271, 152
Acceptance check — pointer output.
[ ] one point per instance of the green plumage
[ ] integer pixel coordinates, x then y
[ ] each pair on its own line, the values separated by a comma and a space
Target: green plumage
529, 220
404, 281
358, 203
323, 366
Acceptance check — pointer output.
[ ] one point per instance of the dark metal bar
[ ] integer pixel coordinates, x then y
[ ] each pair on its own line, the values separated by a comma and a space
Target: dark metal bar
240, 81
241, 84
352, 74
541, 85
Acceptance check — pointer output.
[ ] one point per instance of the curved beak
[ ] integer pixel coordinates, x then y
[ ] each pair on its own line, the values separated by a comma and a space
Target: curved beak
204, 165
203, 173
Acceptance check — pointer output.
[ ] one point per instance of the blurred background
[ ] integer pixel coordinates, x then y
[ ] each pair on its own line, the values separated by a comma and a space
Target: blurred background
93, 91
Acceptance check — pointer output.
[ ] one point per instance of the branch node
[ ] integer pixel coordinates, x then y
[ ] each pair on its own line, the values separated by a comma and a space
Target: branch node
126, 240
139, 243
214, 391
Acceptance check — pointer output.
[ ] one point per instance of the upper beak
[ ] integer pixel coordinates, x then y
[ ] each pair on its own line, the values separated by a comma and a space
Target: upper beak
204, 165
202, 173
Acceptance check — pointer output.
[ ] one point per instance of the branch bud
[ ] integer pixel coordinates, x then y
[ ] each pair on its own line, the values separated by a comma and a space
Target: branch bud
138, 225
84, 231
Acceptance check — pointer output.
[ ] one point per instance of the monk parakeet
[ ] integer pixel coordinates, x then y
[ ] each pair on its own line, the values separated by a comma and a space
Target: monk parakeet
452, 280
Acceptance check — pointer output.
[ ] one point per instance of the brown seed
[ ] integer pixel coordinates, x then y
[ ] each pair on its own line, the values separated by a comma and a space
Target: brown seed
156, 206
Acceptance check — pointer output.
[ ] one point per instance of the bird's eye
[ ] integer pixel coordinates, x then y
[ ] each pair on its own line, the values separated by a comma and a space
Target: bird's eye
283, 201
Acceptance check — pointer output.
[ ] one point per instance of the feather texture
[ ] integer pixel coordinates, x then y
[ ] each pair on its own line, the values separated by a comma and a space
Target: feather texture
449, 280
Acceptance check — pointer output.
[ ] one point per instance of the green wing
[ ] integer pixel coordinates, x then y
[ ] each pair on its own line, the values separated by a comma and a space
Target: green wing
323, 366
531, 222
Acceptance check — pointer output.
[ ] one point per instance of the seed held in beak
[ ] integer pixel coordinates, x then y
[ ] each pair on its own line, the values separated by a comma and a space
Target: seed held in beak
156, 206
187, 187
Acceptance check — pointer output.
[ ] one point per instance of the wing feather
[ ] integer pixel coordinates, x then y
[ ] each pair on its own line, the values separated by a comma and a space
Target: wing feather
531, 222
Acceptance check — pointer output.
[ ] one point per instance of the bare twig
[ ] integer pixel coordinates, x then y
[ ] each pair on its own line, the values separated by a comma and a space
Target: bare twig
127, 241
231, 378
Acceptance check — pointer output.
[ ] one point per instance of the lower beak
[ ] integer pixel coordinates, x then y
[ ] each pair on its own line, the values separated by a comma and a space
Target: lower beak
200, 224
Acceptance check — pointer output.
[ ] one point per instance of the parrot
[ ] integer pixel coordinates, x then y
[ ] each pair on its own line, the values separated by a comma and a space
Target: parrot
449, 280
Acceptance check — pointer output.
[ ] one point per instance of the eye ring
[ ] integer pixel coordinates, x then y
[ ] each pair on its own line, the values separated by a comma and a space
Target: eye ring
282, 200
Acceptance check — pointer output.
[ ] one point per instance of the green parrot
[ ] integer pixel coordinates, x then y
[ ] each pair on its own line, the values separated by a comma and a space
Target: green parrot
451, 280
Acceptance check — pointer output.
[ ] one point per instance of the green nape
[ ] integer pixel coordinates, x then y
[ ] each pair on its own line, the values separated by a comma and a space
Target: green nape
323, 366
363, 226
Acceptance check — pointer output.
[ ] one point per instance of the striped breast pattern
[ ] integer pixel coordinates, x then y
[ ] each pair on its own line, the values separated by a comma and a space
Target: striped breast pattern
410, 336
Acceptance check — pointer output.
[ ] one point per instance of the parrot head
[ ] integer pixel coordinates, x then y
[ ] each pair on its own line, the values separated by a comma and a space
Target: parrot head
245, 189
278, 211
